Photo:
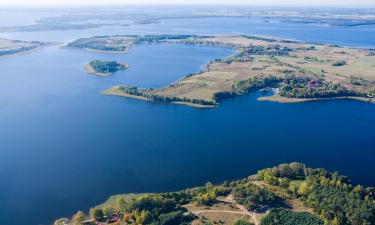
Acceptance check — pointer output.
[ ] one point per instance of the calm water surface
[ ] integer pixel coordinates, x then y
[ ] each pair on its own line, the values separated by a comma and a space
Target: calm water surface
66, 147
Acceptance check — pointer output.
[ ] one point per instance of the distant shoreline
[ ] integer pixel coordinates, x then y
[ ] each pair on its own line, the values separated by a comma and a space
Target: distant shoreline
107, 52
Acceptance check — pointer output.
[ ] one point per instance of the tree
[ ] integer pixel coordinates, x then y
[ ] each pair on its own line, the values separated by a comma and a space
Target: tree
252, 196
96, 213
78, 218
108, 211
144, 217
287, 217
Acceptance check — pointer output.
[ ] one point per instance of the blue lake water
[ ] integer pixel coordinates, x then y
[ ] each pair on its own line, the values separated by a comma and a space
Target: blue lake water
65, 147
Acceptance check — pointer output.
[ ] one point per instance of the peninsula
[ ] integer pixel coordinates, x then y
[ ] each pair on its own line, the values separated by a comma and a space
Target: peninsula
14, 47
300, 71
282, 195
104, 68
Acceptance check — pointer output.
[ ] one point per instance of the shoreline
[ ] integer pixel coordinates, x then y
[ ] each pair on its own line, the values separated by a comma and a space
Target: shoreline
113, 91
91, 71
16, 54
279, 99
107, 52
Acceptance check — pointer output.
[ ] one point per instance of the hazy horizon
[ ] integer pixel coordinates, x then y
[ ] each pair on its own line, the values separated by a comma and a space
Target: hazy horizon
286, 3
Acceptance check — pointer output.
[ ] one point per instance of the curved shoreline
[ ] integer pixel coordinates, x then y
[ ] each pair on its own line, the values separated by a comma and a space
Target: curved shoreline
279, 99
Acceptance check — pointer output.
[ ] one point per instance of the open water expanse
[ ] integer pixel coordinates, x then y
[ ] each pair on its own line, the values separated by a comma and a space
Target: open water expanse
64, 146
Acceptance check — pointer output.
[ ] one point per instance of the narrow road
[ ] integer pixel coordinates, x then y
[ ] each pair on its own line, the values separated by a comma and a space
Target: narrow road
230, 199
218, 211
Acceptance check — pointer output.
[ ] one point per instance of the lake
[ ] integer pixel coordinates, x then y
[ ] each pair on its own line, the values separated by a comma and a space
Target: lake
65, 147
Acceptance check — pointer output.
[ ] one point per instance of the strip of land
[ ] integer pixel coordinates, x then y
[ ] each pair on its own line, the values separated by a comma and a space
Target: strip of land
14, 47
301, 71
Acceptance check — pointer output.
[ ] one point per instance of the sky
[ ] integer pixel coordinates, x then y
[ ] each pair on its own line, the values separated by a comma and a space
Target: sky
338, 3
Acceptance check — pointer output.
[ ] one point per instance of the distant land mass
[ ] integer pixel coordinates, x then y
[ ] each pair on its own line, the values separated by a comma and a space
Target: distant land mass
90, 20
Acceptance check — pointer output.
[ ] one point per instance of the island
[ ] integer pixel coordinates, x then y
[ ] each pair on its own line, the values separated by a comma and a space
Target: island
283, 195
15, 47
299, 71
104, 68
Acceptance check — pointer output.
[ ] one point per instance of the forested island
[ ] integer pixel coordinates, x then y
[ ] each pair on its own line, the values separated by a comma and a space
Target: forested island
288, 194
104, 68
299, 71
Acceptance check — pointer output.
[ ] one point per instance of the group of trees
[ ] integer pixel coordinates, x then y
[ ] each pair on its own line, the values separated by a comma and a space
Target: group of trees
339, 63
327, 92
331, 195
152, 209
334, 200
207, 195
251, 84
274, 50
160, 38
156, 209
287, 217
279, 175
104, 43
300, 87
253, 197
130, 90
78, 218
106, 66
246, 54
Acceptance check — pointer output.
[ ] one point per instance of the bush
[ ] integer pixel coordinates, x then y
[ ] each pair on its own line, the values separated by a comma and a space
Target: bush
339, 63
